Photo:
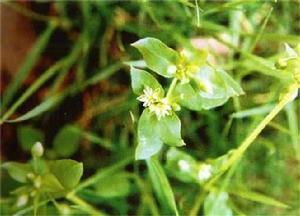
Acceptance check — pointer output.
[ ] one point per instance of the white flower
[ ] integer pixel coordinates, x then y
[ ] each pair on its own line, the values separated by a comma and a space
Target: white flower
183, 165
149, 97
159, 106
205, 172
161, 109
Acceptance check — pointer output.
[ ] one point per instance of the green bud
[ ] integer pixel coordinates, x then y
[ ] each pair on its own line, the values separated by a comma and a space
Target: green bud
37, 182
22, 200
30, 176
37, 150
281, 63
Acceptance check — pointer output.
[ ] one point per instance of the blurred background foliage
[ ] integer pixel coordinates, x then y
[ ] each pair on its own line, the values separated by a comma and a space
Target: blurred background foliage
64, 83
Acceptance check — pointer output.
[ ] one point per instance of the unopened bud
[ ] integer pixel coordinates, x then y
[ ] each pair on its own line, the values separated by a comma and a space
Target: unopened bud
33, 193
37, 150
37, 182
22, 200
281, 63
30, 176
172, 69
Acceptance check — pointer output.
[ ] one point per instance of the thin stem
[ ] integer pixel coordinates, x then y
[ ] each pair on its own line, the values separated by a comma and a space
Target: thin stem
172, 87
36, 16
253, 135
85, 206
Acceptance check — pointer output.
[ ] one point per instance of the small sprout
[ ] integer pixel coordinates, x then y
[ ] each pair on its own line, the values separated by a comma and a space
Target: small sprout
22, 200
183, 165
205, 172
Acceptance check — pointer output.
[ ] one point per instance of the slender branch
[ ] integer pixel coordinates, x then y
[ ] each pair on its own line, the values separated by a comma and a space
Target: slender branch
253, 135
85, 206
172, 87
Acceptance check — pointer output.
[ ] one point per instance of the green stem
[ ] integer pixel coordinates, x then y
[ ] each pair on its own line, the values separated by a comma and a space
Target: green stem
253, 135
85, 206
172, 87
36, 16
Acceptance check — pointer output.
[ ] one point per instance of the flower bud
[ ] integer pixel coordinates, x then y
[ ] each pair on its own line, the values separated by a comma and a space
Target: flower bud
30, 176
22, 200
172, 69
37, 150
37, 182
281, 63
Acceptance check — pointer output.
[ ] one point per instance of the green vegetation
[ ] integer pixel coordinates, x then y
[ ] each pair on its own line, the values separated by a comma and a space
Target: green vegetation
154, 108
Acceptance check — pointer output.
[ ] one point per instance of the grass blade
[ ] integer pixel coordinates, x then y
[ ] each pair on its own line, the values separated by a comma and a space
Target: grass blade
162, 187
39, 109
257, 197
28, 64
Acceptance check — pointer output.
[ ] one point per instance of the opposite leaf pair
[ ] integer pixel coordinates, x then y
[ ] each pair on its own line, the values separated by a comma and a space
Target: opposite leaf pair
43, 179
195, 85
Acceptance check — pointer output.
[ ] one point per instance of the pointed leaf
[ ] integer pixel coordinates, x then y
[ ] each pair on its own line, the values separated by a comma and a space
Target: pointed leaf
169, 129
158, 56
140, 79
68, 172
149, 142
51, 183
18, 171
209, 88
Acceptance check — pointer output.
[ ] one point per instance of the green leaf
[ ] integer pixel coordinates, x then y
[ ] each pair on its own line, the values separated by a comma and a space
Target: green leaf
116, 185
209, 88
216, 204
158, 57
181, 165
152, 133
149, 142
189, 97
169, 129
162, 187
68, 172
233, 88
18, 171
51, 184
28, 136
140, 79
66, 142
